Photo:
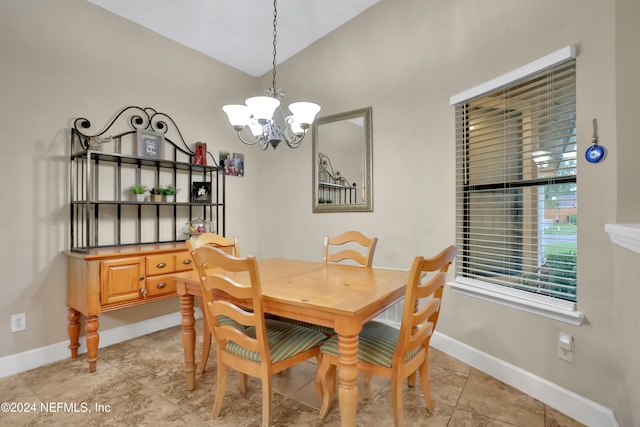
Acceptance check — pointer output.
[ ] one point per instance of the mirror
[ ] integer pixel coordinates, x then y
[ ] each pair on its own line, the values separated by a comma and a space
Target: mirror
342, 151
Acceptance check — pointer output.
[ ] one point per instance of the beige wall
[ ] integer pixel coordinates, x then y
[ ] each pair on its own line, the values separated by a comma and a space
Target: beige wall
405, 58
65, 59
414, 55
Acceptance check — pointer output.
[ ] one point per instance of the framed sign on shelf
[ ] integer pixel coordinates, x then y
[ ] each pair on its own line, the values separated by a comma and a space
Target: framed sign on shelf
201, 192
150, 144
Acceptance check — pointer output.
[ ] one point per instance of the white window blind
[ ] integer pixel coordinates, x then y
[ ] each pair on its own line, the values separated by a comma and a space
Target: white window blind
516, 224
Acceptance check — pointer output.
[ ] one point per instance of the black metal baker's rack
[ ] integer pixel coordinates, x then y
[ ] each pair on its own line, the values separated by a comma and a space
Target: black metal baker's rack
105, 163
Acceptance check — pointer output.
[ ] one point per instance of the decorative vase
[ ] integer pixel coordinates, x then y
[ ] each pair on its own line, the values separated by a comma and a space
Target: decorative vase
156, 197
140, 197
170, 197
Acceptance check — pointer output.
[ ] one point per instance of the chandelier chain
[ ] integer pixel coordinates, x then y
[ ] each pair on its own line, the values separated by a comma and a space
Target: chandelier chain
274, 125
275, 34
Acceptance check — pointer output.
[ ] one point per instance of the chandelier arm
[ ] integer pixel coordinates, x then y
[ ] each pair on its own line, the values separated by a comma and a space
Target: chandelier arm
264, 144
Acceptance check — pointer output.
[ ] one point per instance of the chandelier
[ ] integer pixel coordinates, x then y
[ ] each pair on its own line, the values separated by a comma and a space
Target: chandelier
262, 119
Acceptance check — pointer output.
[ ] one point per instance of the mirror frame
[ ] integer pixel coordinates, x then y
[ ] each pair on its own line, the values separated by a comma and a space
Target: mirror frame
367, 205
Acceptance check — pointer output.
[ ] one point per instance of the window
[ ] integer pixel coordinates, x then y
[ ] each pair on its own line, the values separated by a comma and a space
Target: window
516, 183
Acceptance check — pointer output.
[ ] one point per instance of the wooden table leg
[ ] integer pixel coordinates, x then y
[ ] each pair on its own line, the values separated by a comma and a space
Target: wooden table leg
92, 339
206, 337
73, 329
188, 340
348, 374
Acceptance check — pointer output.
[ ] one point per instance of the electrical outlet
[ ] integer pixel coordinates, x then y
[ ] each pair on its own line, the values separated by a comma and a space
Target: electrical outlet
565, 355
18, 322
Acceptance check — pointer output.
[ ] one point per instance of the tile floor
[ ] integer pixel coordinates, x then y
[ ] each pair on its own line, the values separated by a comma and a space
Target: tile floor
141, 383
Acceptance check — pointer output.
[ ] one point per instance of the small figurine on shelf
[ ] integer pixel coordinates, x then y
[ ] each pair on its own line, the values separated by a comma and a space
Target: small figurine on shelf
200, 157
139, 191
198, 226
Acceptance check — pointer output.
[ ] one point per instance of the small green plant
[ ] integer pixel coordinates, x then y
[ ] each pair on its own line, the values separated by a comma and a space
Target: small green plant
157, 191
138, 189
322, 201
170, 190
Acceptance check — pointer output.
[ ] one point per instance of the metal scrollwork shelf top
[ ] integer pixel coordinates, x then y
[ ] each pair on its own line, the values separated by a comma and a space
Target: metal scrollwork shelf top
138, 118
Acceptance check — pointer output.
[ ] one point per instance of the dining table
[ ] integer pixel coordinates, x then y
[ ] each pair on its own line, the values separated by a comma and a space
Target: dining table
339, 296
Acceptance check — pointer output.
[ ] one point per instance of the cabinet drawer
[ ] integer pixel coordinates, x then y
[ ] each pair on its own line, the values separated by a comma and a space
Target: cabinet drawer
183, 261
160, 264
160, 285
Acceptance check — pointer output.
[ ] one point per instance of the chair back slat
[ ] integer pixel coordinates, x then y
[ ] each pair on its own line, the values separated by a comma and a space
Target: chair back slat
422, 301
368, 246
239, 279
227, 244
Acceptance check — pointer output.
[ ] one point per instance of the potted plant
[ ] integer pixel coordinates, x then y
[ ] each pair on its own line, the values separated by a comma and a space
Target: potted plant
156, 194
139, 191
170, 193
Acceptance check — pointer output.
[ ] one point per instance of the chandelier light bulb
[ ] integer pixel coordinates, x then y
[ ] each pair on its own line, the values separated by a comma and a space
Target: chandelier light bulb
304, 113
256, 128
262, 107
238, 115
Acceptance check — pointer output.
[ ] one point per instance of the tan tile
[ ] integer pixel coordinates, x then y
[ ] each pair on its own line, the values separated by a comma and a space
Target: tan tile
555, 418
143, 382
24, 405
443, 360
462, 418
178, 418
366, 393
446, 385
487, 396
291, 381
294, 413
380, 411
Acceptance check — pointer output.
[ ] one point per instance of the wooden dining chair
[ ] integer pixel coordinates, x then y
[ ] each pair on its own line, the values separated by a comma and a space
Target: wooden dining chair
261, 347
364, 258
368, 245
391, 352
230, 246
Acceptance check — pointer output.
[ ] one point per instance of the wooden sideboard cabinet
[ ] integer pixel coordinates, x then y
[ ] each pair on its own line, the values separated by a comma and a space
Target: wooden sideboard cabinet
108, 279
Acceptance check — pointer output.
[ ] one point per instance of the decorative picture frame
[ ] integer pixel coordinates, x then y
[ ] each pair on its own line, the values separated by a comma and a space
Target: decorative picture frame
150, 144
232, 164
200, 192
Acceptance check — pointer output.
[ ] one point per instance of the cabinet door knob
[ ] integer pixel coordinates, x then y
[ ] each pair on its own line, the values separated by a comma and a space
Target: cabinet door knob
161, 265
186, 261
141, 277
161, 285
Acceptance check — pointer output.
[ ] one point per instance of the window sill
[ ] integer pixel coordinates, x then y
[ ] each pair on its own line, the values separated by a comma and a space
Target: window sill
553, 308
625, 235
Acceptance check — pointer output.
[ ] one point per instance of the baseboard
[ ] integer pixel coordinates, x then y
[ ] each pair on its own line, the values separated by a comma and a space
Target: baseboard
577, 407
31, 359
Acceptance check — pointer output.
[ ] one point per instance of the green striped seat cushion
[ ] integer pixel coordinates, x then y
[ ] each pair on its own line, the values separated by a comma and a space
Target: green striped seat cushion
227, 321
329, 332
285, 340
377, 344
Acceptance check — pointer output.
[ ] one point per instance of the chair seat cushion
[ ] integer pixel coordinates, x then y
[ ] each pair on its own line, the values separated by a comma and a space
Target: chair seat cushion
227, 321
329, 332
377, 344
284, 339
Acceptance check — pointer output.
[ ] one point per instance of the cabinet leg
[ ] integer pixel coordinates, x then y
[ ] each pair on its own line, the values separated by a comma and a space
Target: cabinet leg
73, 329
93, 338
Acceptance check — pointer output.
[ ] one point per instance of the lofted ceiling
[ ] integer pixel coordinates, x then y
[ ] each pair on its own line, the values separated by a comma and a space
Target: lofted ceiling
240, 32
